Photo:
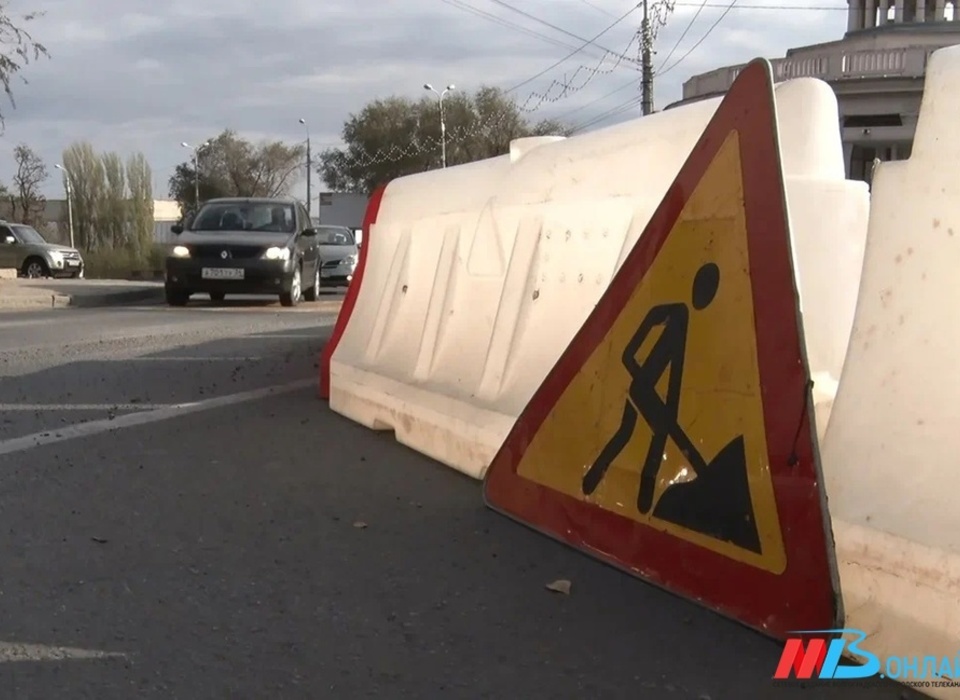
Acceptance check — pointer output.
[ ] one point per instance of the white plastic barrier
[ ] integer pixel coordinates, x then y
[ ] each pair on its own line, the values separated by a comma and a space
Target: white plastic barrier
891, 454
478, 276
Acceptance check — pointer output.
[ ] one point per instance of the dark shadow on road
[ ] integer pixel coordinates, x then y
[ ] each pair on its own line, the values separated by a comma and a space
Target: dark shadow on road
276, 549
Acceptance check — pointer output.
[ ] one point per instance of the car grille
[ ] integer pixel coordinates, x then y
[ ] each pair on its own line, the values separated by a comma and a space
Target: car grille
72, 255
333, 263
234, 252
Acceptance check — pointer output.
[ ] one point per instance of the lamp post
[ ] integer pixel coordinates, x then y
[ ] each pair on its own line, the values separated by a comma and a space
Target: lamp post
66, 179
309, 168
443, 123
196, 170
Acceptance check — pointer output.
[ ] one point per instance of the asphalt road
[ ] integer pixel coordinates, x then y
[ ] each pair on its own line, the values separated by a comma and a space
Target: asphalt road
169, 532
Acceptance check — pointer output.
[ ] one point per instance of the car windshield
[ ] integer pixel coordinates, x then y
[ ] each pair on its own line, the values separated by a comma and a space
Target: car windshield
28, 234
246, 216
334, 235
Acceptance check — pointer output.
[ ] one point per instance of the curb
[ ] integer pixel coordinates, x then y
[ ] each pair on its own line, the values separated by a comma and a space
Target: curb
34, 302
54, 300
108, 298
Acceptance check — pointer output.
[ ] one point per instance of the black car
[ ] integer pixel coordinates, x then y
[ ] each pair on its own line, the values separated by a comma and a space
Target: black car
245, 246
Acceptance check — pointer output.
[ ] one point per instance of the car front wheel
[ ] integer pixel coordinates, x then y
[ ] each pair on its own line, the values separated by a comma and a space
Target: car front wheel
292, 298
35, 268
177, 297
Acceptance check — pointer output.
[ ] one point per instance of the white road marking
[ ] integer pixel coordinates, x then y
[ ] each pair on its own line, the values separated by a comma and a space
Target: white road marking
83, 406
129, 420
32, 322
209, 358
280, 336
14, 652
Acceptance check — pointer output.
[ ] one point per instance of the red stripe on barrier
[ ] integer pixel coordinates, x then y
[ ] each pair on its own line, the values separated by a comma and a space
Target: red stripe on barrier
350, 300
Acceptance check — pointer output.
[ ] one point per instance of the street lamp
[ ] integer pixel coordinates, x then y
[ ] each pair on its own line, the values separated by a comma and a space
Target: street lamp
309, 167
66, 179
443, 123
196, 170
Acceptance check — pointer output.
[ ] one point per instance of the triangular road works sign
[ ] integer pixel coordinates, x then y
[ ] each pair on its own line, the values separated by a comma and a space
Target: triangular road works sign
674, 438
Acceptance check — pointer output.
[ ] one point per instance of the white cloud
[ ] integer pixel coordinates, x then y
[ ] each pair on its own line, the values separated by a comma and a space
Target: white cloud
146, 76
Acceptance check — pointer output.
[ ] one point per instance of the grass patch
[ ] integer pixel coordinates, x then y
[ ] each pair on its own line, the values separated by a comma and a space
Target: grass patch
122, 263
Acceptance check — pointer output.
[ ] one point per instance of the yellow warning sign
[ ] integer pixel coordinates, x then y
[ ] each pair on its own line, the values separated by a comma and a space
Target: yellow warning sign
664, 423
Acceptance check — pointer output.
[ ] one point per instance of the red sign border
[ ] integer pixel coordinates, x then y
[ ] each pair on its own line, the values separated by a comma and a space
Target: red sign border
353, 290
806, 594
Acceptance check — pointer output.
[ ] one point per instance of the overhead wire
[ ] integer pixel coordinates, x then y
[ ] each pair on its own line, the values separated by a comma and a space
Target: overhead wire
702, 39
805, 8
430, 142
586, 43
682, 36
503, 22
566, 115
612, 112
539, 20
567, 86
598, 8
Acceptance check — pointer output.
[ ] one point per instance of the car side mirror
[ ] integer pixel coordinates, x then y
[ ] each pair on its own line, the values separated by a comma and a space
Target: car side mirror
177, 229
309, 232
9, 240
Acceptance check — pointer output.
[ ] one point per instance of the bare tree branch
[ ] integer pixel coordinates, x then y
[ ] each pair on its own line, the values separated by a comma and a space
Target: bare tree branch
17, 49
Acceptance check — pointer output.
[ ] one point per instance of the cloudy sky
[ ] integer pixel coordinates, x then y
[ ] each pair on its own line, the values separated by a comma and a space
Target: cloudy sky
136, 75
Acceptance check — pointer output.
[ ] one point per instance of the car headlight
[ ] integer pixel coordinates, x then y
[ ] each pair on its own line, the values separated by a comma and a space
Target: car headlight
181, 251
276, 253
350, 260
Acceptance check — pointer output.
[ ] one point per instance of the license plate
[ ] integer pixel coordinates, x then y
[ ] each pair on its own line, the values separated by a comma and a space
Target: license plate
72, 263
222, 273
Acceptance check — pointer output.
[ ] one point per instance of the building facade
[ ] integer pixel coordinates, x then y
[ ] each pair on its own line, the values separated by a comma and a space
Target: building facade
876, 71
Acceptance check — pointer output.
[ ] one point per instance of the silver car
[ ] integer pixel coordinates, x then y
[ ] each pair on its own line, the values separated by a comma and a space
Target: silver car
23, 248
338, 251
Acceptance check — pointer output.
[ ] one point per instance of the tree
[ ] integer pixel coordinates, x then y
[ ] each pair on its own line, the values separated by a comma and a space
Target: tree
395, 136
112, 201
112, 206
26, 201
88, 181
17, 49
140, 186
234, 167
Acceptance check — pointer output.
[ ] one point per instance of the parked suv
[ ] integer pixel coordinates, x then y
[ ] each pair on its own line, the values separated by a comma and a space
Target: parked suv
24, 249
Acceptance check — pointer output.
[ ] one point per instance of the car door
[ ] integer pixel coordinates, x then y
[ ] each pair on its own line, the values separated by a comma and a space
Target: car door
9, 252
308, 246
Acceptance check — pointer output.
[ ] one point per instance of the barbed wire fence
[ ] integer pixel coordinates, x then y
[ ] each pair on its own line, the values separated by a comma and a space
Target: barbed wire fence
556, 91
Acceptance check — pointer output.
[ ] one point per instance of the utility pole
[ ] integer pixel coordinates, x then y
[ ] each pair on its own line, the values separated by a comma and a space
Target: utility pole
309, 168
196, 171
646, 64
66, 180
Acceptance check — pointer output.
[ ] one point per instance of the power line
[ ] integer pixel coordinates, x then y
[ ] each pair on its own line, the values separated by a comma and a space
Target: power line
804, 8
544, 22
566, 85
503, 22
689, 26
598, 8
612, 112
587, 42
632, 83
702, 39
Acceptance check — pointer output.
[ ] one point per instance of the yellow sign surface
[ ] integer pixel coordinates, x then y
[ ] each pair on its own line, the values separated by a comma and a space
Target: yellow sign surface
664, 423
